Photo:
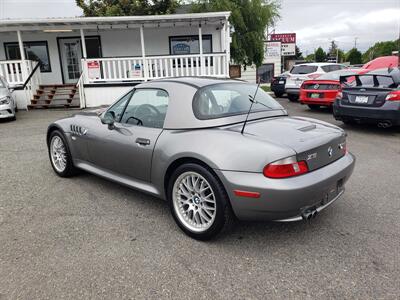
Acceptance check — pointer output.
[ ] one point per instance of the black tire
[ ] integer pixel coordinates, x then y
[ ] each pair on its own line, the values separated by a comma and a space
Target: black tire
293, 98
70, 169
278, 94
16, 109
224, 217
314, 106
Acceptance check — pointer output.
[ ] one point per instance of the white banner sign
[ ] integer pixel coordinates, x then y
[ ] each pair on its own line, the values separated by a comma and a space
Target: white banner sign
273, 49
288, 49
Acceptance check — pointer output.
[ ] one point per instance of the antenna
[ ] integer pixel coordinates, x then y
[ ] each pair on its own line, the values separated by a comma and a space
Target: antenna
252, 100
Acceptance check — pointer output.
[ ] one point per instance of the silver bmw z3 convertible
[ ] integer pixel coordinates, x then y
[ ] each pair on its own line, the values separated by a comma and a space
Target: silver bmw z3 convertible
215, 149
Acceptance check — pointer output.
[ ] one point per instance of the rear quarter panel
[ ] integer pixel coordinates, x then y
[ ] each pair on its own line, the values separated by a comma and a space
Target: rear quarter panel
219, 149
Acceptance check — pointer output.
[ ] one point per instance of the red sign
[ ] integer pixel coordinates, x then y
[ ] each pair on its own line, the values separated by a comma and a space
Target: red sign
93, 64
284, 38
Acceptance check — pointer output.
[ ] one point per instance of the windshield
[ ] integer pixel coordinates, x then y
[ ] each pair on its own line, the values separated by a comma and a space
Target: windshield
303, 69
229, 99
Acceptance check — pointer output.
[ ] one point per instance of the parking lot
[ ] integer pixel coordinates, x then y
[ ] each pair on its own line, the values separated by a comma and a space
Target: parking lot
85, 237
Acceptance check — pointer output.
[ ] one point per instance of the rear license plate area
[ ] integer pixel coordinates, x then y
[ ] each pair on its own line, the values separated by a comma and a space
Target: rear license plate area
334, 191
281, 82
361, 99
315, 95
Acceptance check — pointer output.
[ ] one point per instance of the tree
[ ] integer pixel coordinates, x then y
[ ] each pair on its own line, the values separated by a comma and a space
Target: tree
320, 55
332, 52
381, 49
310, 57
94, 8
299, 54
354, 56
249, 19
341, 56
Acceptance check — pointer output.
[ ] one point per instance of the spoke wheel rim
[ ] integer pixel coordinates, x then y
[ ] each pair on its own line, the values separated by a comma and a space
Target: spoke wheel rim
194, 201
58, 154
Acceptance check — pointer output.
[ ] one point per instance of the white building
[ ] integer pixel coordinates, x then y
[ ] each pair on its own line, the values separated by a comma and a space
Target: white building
87, 62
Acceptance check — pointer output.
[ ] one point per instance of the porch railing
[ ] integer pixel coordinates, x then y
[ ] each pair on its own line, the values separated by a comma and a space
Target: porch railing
16, 71
122, 69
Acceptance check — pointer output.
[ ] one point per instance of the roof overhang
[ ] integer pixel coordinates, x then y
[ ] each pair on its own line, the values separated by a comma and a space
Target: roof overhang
112, 22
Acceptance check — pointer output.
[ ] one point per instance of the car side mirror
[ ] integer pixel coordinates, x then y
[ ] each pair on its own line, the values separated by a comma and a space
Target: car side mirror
109, 119
11, 90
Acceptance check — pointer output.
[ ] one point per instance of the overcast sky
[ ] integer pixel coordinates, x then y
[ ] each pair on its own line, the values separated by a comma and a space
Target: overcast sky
316, 22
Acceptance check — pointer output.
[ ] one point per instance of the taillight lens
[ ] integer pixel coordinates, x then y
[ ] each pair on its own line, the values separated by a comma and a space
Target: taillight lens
339, 95
314, 76
393, 96
285, 168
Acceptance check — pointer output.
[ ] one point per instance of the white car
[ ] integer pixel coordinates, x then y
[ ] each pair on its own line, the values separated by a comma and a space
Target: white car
8, 106
302, 72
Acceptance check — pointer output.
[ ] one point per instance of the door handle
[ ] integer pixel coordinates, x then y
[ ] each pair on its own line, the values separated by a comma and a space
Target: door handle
143, 141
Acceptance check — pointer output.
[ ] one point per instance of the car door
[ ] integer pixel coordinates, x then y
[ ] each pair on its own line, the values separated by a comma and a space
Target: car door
127, 148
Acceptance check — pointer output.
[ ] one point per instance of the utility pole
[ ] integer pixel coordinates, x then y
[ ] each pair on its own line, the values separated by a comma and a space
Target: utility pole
355, 42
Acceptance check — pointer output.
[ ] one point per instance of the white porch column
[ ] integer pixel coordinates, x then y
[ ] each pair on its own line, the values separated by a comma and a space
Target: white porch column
201, 51
227, 46
24, 65
222, 38
143, 53
21, 45
83, 44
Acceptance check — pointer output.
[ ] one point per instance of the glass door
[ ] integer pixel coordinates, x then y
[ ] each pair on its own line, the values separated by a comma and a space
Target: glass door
71, 55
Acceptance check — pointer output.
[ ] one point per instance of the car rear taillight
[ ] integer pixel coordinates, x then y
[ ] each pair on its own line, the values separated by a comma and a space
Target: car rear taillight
284, 168
313, 76
339, 95
393, 96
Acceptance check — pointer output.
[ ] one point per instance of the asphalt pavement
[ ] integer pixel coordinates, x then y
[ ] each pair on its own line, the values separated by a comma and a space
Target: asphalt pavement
85, 237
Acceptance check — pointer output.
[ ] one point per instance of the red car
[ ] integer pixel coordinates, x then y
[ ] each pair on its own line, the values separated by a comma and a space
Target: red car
323, 91
382, 62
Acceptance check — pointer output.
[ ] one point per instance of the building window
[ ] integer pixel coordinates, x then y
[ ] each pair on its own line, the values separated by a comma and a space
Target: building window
37, 51
189, 44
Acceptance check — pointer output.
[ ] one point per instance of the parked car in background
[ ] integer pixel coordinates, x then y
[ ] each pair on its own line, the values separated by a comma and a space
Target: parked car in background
8, 106
382, 62
302, 72
184, 140
278, 84
373, 97
323, 90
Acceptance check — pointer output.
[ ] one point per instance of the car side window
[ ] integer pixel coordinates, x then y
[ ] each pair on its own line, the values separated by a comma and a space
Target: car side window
147, 107
119, 106
326, 68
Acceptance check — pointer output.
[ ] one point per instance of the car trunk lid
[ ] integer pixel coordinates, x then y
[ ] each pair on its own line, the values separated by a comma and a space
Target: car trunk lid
368, 97
317, 143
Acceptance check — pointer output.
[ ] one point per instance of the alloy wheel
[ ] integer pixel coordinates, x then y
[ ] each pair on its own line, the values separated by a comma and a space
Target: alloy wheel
194, 201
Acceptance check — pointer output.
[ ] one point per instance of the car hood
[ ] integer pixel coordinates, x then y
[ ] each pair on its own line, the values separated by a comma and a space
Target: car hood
310, 139
4, 92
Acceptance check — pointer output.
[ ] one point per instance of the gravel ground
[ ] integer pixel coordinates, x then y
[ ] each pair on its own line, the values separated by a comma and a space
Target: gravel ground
85, 237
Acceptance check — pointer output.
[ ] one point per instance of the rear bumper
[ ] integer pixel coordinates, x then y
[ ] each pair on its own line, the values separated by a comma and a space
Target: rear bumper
287, 199
278, 88
292, 91
390, 111
327, 101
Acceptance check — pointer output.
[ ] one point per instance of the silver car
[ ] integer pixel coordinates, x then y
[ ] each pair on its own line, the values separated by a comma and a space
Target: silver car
8, 106
187, 141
